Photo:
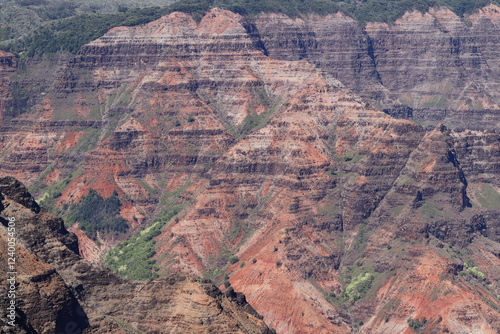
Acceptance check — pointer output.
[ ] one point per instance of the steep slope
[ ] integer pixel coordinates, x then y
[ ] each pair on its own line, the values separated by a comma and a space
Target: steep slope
59, 291
432, 67
330, 216
7, 68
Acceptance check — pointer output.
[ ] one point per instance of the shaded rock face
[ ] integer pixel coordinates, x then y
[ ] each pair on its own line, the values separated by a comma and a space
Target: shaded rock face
279, 164
442, 68
58, 291
7, 68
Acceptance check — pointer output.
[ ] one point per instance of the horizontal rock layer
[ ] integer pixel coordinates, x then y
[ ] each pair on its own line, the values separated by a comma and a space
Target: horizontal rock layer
276, 162
435, 63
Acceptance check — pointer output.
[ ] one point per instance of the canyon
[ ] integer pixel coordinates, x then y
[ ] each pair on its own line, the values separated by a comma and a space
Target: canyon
58, 291
344, 178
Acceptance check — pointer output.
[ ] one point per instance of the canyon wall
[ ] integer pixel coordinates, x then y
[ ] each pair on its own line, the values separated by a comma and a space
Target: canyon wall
293, 187
444, 68
7, 68
58, 291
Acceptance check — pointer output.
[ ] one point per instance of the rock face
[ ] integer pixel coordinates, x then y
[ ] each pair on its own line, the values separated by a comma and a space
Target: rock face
444, 69
330, 216
58, 290
7, 68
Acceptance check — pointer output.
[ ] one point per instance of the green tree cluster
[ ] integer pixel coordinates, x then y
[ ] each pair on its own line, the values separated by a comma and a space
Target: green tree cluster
94, 213
474, 271
416, 324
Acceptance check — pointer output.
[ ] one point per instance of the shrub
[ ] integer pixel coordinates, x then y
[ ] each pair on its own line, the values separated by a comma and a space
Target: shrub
416, 323
72, 33
474, 271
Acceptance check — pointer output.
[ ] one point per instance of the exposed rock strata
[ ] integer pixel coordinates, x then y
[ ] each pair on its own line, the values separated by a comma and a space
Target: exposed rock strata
280, 164
58, 290
434, 62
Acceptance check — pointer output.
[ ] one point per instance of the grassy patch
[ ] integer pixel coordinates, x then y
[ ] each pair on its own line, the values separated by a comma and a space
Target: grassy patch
486, 195
473, 271
39, 183
361, 239
133, 259
396, 211
255, 121
403, 179
351, 158
329, 209
88, 141
435, 102
149, 189
431, 211
54, 191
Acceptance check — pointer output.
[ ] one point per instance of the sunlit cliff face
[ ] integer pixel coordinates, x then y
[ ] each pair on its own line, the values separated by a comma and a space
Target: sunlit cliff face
327, 213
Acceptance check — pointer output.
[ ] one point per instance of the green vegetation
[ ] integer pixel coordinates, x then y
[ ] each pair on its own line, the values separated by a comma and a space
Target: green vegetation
486, 195
350, 158
364, 11
218, 265
416, 324
329, 209
360, 281
251, 122
94, 213
236, 235
73, 31
474, 271
431, 210
71, 34
88, 141
359, 286
437, 101
54, 191
22, 16
133, 258
396, 211
361, 239
255, 121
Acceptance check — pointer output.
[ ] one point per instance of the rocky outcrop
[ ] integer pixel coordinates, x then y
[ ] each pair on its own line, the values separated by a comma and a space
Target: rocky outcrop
57, 290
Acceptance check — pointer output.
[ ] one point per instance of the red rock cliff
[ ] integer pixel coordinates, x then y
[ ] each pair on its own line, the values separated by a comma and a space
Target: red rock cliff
279, 164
